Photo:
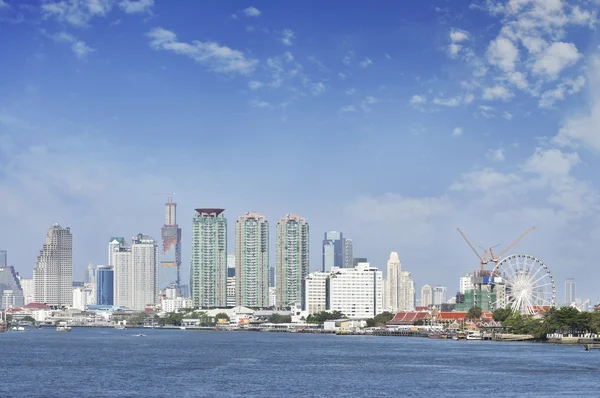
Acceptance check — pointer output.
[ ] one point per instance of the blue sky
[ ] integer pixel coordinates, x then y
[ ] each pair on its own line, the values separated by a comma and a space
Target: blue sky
395, 122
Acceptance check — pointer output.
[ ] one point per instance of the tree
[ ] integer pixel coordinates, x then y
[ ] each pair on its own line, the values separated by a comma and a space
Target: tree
380, 319
474, 313
277, 318
28, 319
321, 317
502, 314
222, 315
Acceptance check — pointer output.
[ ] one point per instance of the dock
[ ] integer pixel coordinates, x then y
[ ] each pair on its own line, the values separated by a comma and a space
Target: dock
591, 346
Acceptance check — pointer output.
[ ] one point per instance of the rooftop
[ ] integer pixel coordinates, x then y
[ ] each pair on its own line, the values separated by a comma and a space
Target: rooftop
209, 211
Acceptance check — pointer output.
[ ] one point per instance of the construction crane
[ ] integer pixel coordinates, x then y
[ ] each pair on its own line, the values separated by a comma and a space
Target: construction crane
499, 257
168, 194
482, 259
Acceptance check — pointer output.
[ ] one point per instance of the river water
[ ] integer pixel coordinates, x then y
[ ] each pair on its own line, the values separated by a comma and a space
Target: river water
184, 363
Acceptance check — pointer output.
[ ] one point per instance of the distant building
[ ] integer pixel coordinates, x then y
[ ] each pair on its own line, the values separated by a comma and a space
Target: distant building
231, 280
120, 259
348, 253
170, 259
358, 260
292, 260
53, 272
426, 296
333, 250
89, 276
28, 290
252, 260
356, 292
3, 258
105, 285
271, 276
569, 291
439, 295
144, 266
208, 271
465, 284
272, 297
11, 293
400, 288
316, 292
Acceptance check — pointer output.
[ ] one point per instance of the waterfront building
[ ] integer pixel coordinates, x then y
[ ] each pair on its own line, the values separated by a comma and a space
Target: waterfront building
90, 289
292, 260
316, 296
333, 250
400, 288
104, 285
208, 271
11, 292
28, 288
356, 292
120, 260
426, 296
439, 295
252, 261
53, 272
170, 260
3, 258
144, 267
79, 298
231, 280
175, 304
348, 253
569, 291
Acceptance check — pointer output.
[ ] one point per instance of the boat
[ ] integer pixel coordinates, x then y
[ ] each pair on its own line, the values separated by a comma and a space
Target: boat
63, 327
120, 327
474, 336
459, 336
435, 335
182, 327
140, 335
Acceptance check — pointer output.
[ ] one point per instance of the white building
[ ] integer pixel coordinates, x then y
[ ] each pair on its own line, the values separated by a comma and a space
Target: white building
175, 304
231, 288
252, 260
400, 288
120, 259
28, 290
356, 292
272, 297
426, 296
144, 266
80, 297
315, 294
466, 284
439, 295
53, 272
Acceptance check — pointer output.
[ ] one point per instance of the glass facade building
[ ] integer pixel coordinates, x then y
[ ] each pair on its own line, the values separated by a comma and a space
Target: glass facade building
105, 282
11, 293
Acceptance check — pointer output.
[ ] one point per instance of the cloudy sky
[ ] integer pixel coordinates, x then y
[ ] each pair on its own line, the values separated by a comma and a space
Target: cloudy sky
393, 122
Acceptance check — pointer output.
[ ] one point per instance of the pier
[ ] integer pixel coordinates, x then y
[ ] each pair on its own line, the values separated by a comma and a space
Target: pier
592, 346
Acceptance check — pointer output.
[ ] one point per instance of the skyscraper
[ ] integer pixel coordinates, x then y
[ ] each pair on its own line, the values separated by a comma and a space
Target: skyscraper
348, 253
170, 263
292, 263
208, 270
105, 277
569, 291
3, 258
252, 260
400, 288
333, 250
144, 266
426, 296
89, 275
231, 280
120, 259
439, 295
11, 293
53, 272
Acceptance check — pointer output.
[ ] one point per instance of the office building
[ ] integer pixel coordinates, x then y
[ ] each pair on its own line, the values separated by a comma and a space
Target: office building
292, 260
3, 258
252, 261
208, 271
465, 283
569, 291
358, 260
316, 296
120, 260
144, 267
439, 295
28, 288
348, 253
53, 272
170, 259
333, 250
356, 292
89, 276
426, 296
11, 293
400, 288
105, 277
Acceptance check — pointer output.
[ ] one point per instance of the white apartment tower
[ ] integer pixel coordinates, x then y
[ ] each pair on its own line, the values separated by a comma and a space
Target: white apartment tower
53, 272
316, 292
400, 288
292, 261
144, 267
426, 296
119, 257
208, 270
356, 292
439, 295
252, 261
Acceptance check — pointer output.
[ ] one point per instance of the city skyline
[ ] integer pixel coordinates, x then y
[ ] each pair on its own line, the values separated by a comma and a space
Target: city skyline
432, 115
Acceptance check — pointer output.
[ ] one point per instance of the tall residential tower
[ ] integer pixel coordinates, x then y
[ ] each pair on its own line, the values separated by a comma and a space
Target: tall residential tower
170, 262
119, 258
53, 272
144, 266
292, 260
208, 270
252, 260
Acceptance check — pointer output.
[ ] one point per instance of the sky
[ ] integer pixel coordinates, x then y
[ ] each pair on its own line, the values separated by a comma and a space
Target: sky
393, 122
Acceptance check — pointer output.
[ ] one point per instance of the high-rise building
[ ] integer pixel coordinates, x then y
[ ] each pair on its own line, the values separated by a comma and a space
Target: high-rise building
400, 288
120, 259
333, 250
208, 270
11, 293
465, 283
358, 260
439, 295
316, 296
28, 290
89, 276
252, 260
144, 266
105, 278
569, 291
356, 292
292, 263
170, 261
3, 258
53, 272
348, 253
426, 296
271, 276
231, 280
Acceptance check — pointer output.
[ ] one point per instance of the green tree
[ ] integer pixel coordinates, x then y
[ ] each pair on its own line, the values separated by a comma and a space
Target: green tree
474, 313
502, 314
222, 315
278, 318
28, 319
321, 317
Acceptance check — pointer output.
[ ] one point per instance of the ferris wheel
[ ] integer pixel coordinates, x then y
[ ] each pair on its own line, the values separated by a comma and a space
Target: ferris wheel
523, 283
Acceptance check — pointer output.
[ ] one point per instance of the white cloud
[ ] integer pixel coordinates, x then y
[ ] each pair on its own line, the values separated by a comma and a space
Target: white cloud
258, 103
507, 115
457, 132
136, 7
76, 12
350, 91
252, 12
348, 58
485, 180
287, 36
551, 163
366, 63
79, 47
349, 108
317, 88
497, 93
518, 79
496, 154
449, 102
216, 58
254, 85
503, 53
454, 48
556, 58
458, 35
3, 4
417, 99
388, 56
567, 87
